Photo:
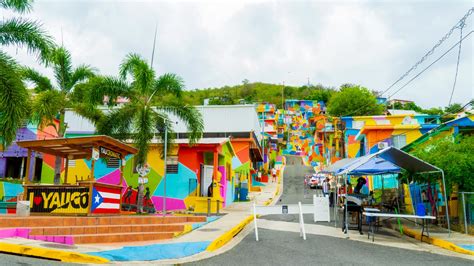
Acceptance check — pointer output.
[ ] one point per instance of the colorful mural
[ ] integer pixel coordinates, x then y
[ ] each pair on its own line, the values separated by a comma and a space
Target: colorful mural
182, 185
368, 134
13, 159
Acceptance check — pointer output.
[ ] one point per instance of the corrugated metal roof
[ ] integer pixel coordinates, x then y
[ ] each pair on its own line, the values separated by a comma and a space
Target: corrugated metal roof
216, 118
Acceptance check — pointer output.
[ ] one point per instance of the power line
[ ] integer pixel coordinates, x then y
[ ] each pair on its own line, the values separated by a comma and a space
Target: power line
457, 64
426, 68
430, 52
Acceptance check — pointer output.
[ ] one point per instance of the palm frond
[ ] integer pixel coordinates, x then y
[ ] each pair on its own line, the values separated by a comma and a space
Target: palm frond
139, 70
189, 115
89, 111
62, 67
144, 125
26, 33
81, 73
118, 123
162, 123
14, 100
46, 107
169, 83
100, 86
20, 6
42, 83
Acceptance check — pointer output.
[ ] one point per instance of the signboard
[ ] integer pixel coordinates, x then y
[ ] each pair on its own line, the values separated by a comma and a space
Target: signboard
59, 200
95, 154
284, 209
109, 153
321, 209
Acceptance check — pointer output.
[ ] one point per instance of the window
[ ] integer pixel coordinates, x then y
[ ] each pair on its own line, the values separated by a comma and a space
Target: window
113, 163
172, 164
72, 163
399, 141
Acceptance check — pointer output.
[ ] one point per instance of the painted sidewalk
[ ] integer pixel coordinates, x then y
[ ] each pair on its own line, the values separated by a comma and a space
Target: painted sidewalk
457, 242
200, 240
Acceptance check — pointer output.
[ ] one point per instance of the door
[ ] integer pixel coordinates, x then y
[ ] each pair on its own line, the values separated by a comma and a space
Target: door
206, 179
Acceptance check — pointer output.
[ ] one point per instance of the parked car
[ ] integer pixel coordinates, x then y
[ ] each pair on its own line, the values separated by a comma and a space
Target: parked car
316, 181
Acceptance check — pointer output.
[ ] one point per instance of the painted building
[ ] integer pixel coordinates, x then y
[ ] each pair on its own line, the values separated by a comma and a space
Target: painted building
266, 114
13, 158
464, 124
191, 167
368, 134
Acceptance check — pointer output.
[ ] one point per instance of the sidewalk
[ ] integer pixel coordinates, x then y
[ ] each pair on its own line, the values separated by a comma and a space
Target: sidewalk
198, 242
455, 241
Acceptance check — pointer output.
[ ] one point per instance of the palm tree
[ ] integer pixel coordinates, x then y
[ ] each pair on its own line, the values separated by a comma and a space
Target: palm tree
146, 112
51, 101
14, 98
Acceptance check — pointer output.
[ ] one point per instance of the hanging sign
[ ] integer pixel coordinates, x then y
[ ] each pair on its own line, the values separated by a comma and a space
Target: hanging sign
109, 153
95, 154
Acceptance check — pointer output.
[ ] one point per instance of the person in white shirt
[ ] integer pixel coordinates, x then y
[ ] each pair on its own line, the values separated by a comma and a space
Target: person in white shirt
274, 174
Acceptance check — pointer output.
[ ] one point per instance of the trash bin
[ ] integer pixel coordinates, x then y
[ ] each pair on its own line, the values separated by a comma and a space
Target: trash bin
23, 208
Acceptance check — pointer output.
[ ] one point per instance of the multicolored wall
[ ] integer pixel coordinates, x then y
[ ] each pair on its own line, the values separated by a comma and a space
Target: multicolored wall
181, 187
17, 155
368, 134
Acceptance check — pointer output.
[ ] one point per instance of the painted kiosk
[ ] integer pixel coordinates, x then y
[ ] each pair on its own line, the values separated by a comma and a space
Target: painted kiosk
80, 197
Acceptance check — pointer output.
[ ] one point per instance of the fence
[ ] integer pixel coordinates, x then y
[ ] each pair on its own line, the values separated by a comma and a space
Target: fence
466, 200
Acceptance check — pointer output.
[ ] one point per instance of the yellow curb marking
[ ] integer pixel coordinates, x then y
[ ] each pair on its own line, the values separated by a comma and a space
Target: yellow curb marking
64, 256
227, 236
187, 228
437, 242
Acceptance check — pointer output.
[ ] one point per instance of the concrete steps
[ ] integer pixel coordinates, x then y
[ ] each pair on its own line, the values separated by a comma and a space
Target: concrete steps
104, 229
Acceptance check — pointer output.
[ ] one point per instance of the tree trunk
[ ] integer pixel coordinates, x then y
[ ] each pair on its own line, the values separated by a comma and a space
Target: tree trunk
58, 162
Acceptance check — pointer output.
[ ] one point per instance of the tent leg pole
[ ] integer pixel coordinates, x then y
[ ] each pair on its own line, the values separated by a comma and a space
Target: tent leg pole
446, 202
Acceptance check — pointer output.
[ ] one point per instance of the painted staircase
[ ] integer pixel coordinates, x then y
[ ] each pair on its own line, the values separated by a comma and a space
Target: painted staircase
104, 229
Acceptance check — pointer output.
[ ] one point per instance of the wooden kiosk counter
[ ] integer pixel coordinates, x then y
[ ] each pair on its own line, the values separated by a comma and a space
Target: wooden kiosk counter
86, 197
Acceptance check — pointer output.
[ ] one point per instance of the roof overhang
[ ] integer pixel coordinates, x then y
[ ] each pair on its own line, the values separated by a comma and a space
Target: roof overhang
77, 148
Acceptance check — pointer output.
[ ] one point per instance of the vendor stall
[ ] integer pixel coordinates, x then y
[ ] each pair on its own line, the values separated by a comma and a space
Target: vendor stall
85, 197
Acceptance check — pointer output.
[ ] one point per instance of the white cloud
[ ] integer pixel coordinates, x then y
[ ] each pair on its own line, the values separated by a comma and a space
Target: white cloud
216, 43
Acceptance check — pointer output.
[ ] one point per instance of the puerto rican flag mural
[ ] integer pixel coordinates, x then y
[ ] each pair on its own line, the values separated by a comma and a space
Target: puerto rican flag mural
105, 200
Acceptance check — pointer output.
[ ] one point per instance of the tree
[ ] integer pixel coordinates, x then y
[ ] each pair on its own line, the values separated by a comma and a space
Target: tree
51, 101
353, 101
454, 156
14, 98
453, 108
145, 113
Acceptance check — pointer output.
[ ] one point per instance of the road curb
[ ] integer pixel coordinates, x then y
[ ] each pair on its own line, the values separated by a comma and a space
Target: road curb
437, 242
52, 254
227, 236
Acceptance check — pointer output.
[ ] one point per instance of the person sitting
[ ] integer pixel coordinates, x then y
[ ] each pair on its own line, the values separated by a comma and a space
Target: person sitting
360, 183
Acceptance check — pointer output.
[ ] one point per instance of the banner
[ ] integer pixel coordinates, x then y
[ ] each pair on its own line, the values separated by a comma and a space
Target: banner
59, 200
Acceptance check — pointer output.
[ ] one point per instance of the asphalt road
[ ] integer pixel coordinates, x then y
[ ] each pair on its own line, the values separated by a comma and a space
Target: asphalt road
7, 259
287, 248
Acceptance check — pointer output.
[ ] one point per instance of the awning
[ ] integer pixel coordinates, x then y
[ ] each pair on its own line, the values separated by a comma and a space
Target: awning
376, 166
338, 166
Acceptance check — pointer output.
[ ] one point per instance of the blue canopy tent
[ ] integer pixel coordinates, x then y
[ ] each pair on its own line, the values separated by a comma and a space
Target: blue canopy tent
390, 158
370, 166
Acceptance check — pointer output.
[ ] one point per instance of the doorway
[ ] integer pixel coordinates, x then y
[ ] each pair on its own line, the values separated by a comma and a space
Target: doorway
206, 179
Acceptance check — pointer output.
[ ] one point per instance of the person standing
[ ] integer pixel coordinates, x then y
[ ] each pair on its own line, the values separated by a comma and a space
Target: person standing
140, 198
332, 188
274, 174
326, 187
